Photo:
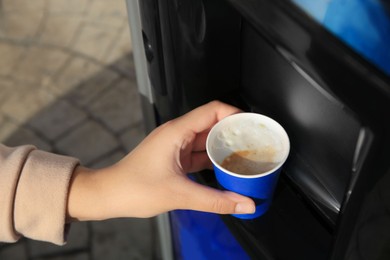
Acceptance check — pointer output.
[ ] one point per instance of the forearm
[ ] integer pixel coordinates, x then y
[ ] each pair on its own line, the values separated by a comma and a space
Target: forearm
120, 190
111, 192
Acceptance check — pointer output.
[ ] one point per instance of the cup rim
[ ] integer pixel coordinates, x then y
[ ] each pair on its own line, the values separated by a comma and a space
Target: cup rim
251, 114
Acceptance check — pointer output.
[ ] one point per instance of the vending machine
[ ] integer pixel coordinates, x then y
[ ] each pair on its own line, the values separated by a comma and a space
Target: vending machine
321, 69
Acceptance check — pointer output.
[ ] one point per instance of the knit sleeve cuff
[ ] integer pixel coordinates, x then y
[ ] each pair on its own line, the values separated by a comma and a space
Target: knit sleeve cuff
41, 196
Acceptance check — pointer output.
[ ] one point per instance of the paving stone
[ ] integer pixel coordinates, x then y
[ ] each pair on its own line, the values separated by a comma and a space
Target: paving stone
58, 58
87, 142
94, 40
39, 63
77, 71
25, 102
92, 87
57, 119
60, 30
68, 7
121, 47
22, 6
7, 128
125, 65
10, 55
78, 239
23, 135
6, 86
114, 14
119, 107
133, 239
21, 26
13, 134
14, 87
15, 251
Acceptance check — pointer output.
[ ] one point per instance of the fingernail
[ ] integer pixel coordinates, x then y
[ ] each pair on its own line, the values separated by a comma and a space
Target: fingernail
245, 208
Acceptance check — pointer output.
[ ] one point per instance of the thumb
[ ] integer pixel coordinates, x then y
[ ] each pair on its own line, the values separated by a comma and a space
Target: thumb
202, 198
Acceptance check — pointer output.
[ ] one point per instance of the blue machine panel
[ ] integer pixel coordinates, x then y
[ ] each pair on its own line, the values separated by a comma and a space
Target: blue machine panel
198, 235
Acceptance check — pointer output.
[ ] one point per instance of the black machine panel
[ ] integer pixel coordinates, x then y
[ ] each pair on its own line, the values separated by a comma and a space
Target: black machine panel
323, 131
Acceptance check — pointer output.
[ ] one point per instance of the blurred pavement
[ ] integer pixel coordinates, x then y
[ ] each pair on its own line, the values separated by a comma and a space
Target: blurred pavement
67, 85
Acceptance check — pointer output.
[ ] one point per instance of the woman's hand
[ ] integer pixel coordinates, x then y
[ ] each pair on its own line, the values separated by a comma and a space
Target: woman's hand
152, 179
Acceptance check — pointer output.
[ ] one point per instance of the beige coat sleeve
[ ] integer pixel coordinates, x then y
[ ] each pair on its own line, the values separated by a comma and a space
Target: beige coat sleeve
33, 194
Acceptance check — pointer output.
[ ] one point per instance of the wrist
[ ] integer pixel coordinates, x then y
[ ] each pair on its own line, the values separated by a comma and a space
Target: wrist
86, 197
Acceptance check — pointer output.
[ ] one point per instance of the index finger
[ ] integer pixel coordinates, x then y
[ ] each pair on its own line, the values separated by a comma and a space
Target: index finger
204, 117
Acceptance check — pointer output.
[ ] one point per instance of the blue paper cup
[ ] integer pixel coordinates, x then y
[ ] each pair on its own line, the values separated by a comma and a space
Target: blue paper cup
247, 151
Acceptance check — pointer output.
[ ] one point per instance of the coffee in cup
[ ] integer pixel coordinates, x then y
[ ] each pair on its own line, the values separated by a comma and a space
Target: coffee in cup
247, 151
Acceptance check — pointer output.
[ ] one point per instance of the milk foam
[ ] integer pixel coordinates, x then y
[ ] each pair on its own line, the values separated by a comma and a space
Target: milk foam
251, 135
